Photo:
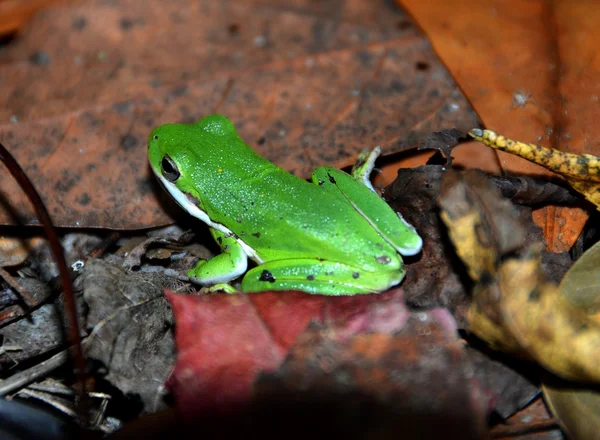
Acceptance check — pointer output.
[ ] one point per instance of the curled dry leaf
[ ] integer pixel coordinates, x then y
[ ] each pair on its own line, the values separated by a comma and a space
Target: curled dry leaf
515, 308
582, 171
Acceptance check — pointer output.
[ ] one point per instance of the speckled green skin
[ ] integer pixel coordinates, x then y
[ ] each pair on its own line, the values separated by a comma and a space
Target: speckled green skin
331, 236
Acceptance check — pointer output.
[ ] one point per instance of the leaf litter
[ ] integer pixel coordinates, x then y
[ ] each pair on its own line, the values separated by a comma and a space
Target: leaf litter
345, 346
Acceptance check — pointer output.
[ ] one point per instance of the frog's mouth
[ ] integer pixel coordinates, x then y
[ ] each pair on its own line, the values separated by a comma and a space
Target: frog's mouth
191, 205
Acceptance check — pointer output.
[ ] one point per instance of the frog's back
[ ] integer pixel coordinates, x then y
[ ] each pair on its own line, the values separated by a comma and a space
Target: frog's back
275, 213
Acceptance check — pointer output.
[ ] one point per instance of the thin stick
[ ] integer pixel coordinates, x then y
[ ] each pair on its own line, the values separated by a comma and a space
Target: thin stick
70, 306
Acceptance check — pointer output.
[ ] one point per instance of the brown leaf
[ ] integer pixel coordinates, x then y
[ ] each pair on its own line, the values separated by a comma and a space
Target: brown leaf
305, 87
530, 74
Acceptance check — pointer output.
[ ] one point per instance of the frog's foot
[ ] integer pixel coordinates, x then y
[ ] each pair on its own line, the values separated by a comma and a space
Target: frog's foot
223, 268
223, 287
364, 165
319, 277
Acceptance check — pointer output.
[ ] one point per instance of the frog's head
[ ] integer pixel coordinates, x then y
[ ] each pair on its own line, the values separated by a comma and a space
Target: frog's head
178, 154
173, 149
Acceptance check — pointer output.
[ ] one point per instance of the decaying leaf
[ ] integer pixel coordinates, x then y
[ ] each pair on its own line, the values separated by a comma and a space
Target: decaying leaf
443, 141
515, 308
582, 171
131, 329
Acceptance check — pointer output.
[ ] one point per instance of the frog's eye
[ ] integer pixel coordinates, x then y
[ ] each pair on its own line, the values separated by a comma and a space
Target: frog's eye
169, 169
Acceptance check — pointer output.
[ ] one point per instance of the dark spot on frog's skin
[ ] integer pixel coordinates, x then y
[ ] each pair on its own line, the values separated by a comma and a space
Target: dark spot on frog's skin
84, 199
128, 142
40, 58
91, 167
243, 234
220, 240
234, 29
321, 182
256, 234
329, 273
355, 275
226, 247
267, 276
331, 179
261, 140
384, 259
310, 277
280, 218
79, 23
320, 259
239, 220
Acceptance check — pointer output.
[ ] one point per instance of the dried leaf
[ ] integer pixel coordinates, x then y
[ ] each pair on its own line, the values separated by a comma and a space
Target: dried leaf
582, 171
515, 308
443, 141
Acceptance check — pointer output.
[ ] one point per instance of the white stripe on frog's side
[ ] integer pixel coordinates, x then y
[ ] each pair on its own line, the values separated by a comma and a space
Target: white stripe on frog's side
184, 202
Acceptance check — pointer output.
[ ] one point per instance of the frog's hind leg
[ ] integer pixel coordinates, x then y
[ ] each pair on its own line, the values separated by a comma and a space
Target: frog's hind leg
319, 277
389, 224
361, 171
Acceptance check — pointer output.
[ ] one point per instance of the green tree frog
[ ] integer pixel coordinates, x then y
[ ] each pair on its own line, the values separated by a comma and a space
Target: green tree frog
332, 236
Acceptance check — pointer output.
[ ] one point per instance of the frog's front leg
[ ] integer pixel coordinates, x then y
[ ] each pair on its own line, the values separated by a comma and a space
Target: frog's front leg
389, 224
228, 265
320, 277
